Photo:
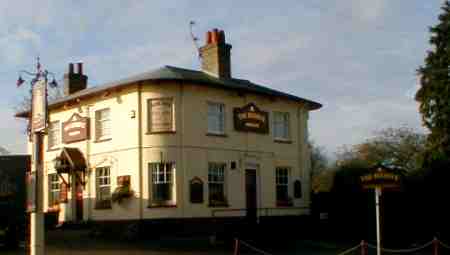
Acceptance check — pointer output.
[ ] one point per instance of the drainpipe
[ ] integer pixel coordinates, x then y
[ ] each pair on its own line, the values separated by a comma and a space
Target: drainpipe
183, 181
88, 164
301, 146
141, 199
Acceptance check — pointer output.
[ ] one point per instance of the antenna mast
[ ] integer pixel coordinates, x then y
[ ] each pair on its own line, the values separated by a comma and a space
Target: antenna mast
194, 38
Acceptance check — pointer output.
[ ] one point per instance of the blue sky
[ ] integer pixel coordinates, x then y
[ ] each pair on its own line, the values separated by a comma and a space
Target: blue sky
357, 57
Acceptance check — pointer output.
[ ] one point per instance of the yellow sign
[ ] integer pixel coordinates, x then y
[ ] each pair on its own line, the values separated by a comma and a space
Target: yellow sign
381, 178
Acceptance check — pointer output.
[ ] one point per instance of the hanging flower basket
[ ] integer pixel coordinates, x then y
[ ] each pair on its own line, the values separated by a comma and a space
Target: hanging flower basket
122, 192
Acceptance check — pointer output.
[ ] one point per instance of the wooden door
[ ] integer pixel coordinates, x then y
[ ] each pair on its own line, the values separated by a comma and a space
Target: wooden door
251, 195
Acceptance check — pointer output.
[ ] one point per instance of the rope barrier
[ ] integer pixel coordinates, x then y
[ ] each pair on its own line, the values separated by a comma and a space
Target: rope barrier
350, 250
254, 248
401, 250
446, 246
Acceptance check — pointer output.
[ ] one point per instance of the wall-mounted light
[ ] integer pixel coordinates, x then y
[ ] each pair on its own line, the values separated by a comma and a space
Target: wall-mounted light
132, 114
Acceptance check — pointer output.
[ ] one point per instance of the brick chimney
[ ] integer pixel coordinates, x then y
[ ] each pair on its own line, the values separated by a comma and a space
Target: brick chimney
74, 82
216, 54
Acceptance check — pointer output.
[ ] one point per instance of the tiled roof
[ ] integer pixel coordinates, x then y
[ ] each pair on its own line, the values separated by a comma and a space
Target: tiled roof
171, 73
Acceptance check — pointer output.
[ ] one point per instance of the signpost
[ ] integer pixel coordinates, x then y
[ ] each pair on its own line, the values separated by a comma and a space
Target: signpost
35, 179
381, 178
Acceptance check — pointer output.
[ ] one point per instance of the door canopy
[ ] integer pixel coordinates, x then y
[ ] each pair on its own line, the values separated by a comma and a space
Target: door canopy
70, 160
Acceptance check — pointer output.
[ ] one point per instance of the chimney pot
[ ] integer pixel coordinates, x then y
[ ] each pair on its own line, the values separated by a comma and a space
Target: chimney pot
70, 68
208, 37
221, 36
215, 35
80, 68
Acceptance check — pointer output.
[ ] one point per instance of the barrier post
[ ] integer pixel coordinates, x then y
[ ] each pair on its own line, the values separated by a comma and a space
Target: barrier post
435, 246
236, 246
363, 247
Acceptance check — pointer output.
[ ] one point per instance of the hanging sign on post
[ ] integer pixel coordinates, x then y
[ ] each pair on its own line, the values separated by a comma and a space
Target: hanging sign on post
39, 106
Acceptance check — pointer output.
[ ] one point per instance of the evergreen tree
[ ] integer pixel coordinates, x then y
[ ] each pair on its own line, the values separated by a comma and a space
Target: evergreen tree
434, 93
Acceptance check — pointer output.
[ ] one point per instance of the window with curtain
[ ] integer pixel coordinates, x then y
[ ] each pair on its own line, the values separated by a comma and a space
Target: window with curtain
103, 124
162, 179
103, 187
216, 183
281, 126
53, 189
216, 118
282, 186
54, 134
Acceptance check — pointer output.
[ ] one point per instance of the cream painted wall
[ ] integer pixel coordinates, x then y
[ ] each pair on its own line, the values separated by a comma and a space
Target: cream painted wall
189, 147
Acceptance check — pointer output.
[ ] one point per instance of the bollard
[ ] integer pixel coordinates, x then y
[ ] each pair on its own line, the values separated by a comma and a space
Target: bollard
236, 246
363, 248
435, 246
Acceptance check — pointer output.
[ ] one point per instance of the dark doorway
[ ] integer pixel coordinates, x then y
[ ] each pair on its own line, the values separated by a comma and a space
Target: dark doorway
251, 194
79, 200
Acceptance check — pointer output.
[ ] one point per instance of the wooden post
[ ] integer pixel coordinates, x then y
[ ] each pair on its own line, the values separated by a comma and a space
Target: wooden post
363, 247
236, 246
435, 246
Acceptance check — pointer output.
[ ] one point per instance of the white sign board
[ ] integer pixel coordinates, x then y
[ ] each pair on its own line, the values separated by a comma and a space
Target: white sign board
161, 115
38, 106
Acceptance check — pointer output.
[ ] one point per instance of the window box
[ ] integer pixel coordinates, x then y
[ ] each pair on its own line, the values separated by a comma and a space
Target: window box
285, 203
218, 200
121, 193
54, 208
103, 204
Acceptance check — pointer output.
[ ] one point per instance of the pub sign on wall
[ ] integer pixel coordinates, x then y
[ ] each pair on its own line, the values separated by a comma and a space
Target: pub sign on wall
75, 129
251, 119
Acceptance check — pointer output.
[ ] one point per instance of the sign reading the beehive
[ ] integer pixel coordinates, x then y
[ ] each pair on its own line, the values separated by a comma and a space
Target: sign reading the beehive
75, 129
251, 119
380, 178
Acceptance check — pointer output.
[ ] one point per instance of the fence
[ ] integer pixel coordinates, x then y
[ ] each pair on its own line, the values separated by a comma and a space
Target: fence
363, 247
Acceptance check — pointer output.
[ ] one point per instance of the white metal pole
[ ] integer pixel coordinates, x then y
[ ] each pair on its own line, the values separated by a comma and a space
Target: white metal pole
37, 245
377, 211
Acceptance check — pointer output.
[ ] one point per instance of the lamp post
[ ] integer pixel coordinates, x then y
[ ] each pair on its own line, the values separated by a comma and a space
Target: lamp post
38, 124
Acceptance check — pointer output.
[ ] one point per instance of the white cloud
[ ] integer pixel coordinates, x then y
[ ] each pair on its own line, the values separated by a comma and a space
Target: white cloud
368, 10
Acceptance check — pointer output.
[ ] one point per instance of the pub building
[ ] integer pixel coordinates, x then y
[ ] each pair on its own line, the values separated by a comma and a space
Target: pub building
174, 143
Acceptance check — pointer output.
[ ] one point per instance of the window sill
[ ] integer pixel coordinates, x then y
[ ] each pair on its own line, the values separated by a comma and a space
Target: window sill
160, 132
216, 134
54, 208
282, 141
284, 204
162, 206
218, 204
53, 149
102, 140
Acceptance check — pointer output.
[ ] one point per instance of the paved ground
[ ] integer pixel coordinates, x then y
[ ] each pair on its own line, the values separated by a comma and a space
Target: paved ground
78, 242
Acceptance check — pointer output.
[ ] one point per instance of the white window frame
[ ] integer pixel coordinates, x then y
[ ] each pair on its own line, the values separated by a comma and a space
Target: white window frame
101, 123
102, 181
281, 120
167, 172
217, 178
282, 180
54, 134
219, 117
53, 189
